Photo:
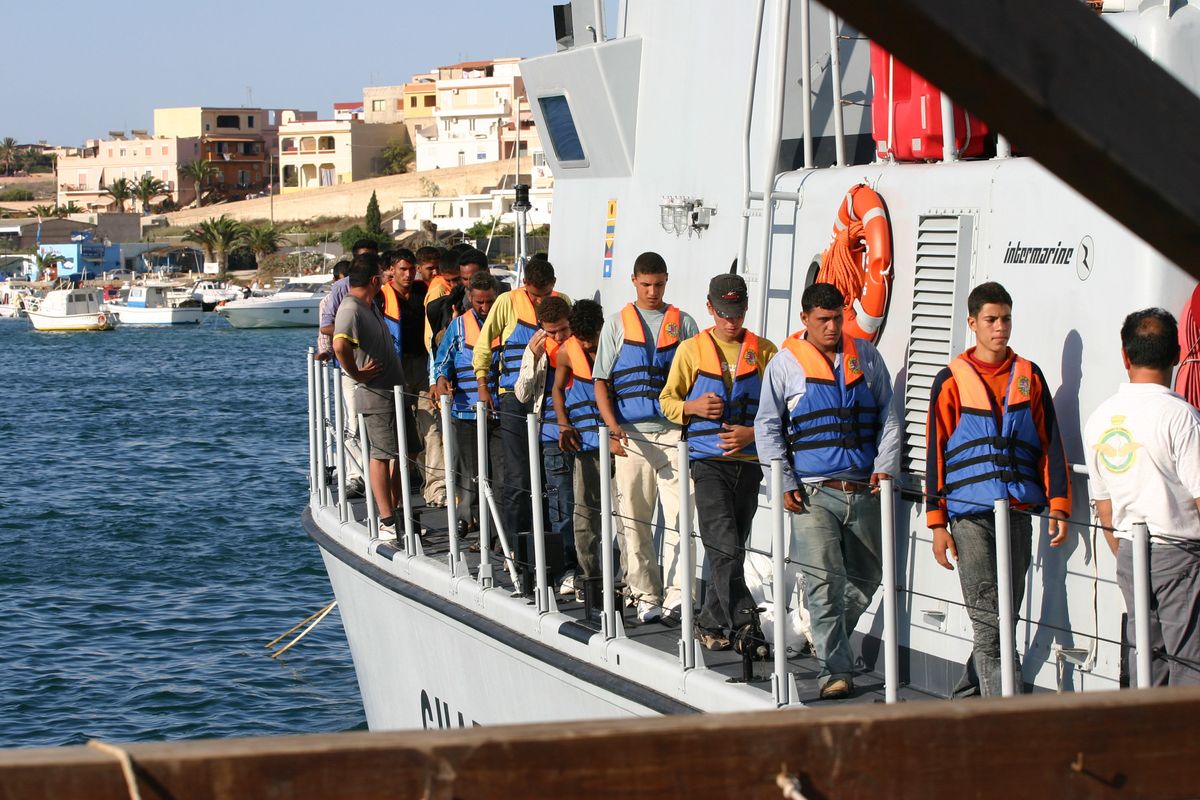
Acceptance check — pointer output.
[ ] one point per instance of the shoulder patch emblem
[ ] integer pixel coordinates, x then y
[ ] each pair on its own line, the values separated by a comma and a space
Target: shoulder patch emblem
1023, 386
751, 357
852, 366
1116, 449
672, 329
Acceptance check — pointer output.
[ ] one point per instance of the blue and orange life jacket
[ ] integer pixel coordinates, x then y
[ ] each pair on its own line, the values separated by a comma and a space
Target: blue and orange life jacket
549, 417
640, 371
580, 395
466, 387
832, 430
993, 453
514, 346
741, 402
391, 314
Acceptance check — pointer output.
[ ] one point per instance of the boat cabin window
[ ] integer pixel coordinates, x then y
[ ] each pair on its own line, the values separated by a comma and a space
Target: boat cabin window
563, 135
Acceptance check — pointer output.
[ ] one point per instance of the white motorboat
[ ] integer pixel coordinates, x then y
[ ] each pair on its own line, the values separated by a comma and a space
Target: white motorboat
13, 300
295, 305
208, 293
147, 305
645, 151
70, 310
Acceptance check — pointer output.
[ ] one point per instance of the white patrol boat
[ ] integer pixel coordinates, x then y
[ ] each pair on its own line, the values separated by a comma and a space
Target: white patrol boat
711, 132
69, 310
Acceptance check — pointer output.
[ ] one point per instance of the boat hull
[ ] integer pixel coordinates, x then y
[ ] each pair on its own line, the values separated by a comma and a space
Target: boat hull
131, 315
426, 661
71, 322
271, 316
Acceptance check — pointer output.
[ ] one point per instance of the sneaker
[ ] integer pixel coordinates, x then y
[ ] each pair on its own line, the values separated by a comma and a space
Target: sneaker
567, 586
648, 612
355, 488
836, 689
387, 531
579, 596
712, 639
673, 612
437, 502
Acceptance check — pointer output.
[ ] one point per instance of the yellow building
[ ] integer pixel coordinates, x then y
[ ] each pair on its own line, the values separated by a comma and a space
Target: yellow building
331, 152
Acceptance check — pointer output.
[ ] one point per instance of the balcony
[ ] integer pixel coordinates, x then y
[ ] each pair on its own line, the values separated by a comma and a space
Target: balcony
501, 109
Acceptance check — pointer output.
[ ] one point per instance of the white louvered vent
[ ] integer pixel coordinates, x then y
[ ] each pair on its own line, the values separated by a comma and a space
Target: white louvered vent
943, 252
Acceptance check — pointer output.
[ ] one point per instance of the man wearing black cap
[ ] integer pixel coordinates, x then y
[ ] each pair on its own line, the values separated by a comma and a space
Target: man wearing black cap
712, 390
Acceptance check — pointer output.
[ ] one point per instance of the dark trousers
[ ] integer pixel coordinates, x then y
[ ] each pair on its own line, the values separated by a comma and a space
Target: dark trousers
558, 468
514, 495
466, 465
726, 499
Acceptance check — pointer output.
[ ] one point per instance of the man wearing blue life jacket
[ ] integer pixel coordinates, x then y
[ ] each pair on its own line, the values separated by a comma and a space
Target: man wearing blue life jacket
713, 391
826, 410
992, 434
632, 362
453, 373
513, 321
574, 399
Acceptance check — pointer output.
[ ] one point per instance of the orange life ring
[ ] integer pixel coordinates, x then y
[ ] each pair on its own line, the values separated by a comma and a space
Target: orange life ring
859, 261
101, 319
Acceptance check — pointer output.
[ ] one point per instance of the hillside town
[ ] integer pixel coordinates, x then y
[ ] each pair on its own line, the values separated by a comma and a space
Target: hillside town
438, 157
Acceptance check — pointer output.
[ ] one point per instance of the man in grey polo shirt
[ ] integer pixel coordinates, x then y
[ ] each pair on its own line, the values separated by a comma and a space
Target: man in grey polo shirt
367, 353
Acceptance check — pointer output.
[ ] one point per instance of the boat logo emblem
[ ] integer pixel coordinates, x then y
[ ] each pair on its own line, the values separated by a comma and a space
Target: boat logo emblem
852, 365
672, 329
1117, 449
1023, 386
751, 358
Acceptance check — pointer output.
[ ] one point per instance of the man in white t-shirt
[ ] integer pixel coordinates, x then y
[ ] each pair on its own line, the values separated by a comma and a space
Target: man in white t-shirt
1144, 462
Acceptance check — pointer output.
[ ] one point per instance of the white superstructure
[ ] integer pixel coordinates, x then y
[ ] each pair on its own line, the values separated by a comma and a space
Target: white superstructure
148, 305
69, 310
293, 306
662, 137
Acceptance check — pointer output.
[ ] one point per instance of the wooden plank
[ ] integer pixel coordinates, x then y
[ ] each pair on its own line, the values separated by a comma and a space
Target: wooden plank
1068, 90
1097, 745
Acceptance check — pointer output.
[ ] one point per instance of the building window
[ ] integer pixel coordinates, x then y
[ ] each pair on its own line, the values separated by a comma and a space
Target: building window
400, 104
462, 158
325, 143
229, 121
308, 144
290, 177
250, 122
378, 105
430, 100
412, 102
164, 175
563, 135
446, 125
147, 151
122, 152
288, 145
471, 124
327, 175
165, 150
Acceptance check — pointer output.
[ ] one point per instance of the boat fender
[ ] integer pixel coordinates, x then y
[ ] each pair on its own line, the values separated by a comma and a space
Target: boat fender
101, 318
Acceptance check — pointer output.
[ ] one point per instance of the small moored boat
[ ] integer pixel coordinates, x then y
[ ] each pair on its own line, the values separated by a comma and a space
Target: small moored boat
296, 305
69, 310
147, 305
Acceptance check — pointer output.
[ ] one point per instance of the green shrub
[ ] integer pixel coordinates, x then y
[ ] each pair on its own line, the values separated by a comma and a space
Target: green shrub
16, 194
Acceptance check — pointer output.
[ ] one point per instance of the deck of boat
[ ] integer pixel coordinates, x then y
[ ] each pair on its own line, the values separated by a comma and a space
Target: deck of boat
663, 636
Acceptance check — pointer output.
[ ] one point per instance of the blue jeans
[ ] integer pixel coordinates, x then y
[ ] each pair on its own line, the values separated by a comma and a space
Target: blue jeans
560, 499
836, 544
975, 541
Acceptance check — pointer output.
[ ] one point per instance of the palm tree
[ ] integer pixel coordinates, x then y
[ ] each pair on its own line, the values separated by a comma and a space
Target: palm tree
8, 152
146, 189
217, 237
70, 208
200, 172
119, 190
44, 261
44, 210
262, 240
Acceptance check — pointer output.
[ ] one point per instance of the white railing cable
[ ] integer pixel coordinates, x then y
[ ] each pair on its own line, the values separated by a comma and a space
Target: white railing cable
779, 590
405, 483
364, 442
312, 420
322, 407
1004, 599
451, 481
481, 476
541, 589
891, 649
339, 414
606, 536
1141, 603
687, 571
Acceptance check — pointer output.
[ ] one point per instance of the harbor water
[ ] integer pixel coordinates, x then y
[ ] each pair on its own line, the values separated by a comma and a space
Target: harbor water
150, 529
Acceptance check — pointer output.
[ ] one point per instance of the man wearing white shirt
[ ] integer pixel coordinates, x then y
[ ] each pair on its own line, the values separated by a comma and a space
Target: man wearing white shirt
1144, 462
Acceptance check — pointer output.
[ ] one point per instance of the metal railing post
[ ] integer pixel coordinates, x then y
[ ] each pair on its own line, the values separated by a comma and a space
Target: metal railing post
949, 135
779, 590
402, 466
311, 367
805, 83
687, 570
835, 70
1141, 603
451, 483
481, 472
607, 569
891, 647
364, 442
321, 374
1003, 148
1004, 599
535, 502
339, 441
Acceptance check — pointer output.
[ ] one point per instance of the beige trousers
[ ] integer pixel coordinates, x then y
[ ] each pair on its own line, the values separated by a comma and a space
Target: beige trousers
350, 409
429, 428
645, 478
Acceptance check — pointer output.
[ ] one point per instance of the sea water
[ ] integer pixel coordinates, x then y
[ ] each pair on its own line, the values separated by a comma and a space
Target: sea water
151, 486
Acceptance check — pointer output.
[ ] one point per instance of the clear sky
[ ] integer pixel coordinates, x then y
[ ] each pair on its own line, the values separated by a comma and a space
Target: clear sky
82, 68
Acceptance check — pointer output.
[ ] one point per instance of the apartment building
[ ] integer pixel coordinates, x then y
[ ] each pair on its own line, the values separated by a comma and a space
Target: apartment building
83, 173
383, 104
474, 99
330, 152
420, 98
348, 111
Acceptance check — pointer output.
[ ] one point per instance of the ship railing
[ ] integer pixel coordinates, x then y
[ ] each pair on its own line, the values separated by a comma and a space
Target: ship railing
327, 416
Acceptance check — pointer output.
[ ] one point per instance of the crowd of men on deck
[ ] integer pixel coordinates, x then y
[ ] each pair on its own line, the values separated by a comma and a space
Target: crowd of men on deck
438, 323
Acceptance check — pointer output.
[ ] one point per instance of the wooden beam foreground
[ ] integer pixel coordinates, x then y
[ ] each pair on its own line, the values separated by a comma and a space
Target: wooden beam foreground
1099, 745
1068, 90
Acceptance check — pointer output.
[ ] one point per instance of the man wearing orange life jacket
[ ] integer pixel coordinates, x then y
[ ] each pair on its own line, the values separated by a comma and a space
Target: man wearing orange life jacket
713, 390
632, 363
446, 279
513, 320
826, 410
992, 435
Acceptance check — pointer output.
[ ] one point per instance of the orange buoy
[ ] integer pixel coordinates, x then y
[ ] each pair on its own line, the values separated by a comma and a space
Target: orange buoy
859, 261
